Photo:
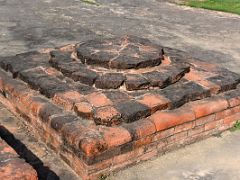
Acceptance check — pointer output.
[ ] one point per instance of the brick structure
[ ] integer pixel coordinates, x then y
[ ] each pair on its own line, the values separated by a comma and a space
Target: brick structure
12, 167
105, 104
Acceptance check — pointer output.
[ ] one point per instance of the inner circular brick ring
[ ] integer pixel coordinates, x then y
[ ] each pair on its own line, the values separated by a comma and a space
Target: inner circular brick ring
127, 52
139, 64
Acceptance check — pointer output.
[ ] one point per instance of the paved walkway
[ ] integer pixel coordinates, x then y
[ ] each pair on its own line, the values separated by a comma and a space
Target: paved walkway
215, 37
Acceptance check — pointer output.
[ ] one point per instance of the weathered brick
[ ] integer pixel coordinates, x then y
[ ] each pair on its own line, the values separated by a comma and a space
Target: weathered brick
177, 137
115, 136
164, 134
184, 127
196, 130
107, 115
213, 125
92, 143
227, 112
167, 119
204, 120
110, 81
132, 110
209, 106
67, 99
140, 128
231, 119
154, 102
48, 110
183, 92
84, 109
58, 121
233, 97
136, 82
85, 76
98, 99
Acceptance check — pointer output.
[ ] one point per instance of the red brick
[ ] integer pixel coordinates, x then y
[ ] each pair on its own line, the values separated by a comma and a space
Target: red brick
67, 99
84, 109
227, 112
115, 136
206, 107
214, 88
164, 134
154, 102
177, 137
234, 101
143, 141
92, 144
165, 120
98, 99
73, 131
231, 119
204, 120
107, 115
195, 75
212, 125
140, 128
184, 127
196, 130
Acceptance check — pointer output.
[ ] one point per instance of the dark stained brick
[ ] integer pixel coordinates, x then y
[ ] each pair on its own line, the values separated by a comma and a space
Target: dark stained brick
25, 61
132, 110
136, 82
181, 93
46, 84
69, 68
226, 81
110, 81
157, 79
59, 121
85, 76
48, 110
117, 96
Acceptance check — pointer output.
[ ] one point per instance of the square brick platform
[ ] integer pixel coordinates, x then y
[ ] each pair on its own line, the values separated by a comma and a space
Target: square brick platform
106, 104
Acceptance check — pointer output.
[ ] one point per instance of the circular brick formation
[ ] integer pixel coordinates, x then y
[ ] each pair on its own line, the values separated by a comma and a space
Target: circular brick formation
128, 62
128, 52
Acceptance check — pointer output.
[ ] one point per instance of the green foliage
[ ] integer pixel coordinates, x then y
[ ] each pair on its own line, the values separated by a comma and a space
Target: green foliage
236, 126
232, 6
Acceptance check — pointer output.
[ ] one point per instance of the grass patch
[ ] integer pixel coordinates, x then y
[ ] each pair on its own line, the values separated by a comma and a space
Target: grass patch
236, 126
232, 6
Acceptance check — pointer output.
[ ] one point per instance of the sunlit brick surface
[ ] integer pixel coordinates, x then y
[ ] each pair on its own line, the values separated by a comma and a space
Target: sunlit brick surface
105, 104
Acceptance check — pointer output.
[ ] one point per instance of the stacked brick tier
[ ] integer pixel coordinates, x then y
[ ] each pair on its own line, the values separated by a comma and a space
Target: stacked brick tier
12, 167
105, 104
